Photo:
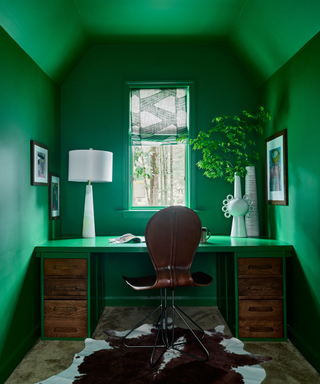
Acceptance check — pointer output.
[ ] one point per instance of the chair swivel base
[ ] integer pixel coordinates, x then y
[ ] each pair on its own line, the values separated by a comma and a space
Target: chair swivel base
163, 328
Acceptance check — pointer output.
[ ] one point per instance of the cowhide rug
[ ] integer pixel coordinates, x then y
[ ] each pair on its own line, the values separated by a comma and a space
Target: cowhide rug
110, 362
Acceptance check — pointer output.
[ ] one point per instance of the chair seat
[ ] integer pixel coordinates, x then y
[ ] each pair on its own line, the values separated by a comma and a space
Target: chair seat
149, 282
140, 283
201, 278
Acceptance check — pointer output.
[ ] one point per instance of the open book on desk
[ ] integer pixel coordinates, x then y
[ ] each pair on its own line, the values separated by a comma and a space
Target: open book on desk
126, 238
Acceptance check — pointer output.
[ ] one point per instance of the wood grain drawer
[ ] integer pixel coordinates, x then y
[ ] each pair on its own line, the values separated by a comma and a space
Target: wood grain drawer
65, 267
261, 309
65, 288
261, 328
65, 318
266, 266
261, 287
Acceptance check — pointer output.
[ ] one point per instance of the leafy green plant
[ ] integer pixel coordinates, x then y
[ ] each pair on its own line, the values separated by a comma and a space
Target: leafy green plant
226, 148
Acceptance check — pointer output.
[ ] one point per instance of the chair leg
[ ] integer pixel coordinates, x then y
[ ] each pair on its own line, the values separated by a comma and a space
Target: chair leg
141, 323
183, 315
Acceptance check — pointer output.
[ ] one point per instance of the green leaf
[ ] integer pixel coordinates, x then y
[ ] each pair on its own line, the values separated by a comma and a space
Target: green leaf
219, 155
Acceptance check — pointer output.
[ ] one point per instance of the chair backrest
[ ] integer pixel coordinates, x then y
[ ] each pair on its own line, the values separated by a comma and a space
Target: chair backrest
172, 237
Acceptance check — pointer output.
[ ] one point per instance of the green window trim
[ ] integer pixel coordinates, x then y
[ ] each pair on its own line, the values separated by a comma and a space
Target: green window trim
145, 212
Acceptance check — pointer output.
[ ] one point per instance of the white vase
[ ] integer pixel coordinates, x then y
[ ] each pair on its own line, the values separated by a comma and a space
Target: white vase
252, 222
238, 208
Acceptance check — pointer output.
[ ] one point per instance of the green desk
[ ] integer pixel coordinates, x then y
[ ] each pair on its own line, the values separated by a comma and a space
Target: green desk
250, 278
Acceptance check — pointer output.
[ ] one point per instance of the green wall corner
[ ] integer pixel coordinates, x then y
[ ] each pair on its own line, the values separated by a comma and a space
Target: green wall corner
292, 96
29, 110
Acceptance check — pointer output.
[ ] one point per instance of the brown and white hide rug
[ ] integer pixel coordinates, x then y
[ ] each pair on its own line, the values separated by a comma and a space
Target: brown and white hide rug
108, 361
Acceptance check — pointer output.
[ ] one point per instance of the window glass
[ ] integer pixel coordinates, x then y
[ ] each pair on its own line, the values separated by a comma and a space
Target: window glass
159, 175
158, 166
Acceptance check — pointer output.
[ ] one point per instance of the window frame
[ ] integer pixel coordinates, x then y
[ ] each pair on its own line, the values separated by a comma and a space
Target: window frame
128, 210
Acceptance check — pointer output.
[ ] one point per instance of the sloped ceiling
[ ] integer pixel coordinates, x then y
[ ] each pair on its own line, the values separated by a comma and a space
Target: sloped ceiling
267, 33
264, 34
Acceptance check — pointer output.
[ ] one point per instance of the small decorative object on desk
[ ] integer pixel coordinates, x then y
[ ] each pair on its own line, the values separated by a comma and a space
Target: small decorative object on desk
205, 235
252, 222
237, 207
126, 238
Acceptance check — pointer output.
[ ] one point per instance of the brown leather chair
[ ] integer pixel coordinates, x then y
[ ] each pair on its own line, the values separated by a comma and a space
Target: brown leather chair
172, 238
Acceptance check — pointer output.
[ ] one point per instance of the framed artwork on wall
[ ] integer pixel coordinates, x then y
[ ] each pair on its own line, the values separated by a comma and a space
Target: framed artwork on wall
39, 164
54, 196
277, 169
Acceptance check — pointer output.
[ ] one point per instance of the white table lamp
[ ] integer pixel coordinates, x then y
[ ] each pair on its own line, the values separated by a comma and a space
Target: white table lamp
92, 166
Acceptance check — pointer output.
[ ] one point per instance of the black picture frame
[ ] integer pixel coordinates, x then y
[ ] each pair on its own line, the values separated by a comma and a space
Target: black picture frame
39, 164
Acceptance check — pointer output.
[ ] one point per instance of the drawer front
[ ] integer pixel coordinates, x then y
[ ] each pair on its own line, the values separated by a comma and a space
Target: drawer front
266, 266
65, 328
261, 329
65, 267
65, 318
65, 287
261, 309
260, 287
55, 309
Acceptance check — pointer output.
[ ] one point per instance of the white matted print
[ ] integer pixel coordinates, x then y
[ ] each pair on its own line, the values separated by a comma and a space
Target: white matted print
54, 196
277, 169
39, 164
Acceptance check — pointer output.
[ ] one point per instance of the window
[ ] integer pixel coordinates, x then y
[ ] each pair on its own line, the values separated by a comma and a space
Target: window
158, 165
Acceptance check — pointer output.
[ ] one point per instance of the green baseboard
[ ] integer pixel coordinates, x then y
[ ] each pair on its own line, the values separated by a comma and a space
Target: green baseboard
304, 348
153, 301
8, 364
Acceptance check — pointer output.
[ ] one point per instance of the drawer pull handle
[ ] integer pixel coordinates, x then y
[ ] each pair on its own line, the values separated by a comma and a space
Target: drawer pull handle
65, 288
65, 329
263, 266
61, 266
260, 309
65, 309
261, 329
261, 288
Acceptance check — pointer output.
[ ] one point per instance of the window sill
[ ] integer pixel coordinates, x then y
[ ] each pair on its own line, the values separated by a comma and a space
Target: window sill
138, 214
142, 213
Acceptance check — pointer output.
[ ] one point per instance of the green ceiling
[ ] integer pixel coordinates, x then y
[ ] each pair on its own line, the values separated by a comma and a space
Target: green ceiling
264, 34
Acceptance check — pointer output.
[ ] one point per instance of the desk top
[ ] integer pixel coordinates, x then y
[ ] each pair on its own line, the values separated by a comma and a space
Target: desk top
101, 244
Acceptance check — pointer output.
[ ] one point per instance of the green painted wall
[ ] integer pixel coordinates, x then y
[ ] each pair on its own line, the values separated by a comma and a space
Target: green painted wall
29, 110
293, 97
92, 117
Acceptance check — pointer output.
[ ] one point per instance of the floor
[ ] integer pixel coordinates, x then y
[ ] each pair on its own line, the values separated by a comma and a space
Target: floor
49, 357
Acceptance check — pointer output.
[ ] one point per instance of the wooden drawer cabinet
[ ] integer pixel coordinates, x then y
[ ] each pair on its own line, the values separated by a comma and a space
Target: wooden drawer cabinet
65, 298
260, 297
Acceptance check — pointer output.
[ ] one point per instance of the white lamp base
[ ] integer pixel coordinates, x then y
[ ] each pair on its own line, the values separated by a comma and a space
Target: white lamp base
88, 229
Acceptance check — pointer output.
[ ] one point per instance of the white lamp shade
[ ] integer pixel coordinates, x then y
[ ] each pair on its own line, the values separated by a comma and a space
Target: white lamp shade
89, 164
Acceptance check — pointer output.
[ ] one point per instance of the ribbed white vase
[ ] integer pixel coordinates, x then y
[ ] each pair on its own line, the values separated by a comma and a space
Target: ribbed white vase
252, 223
